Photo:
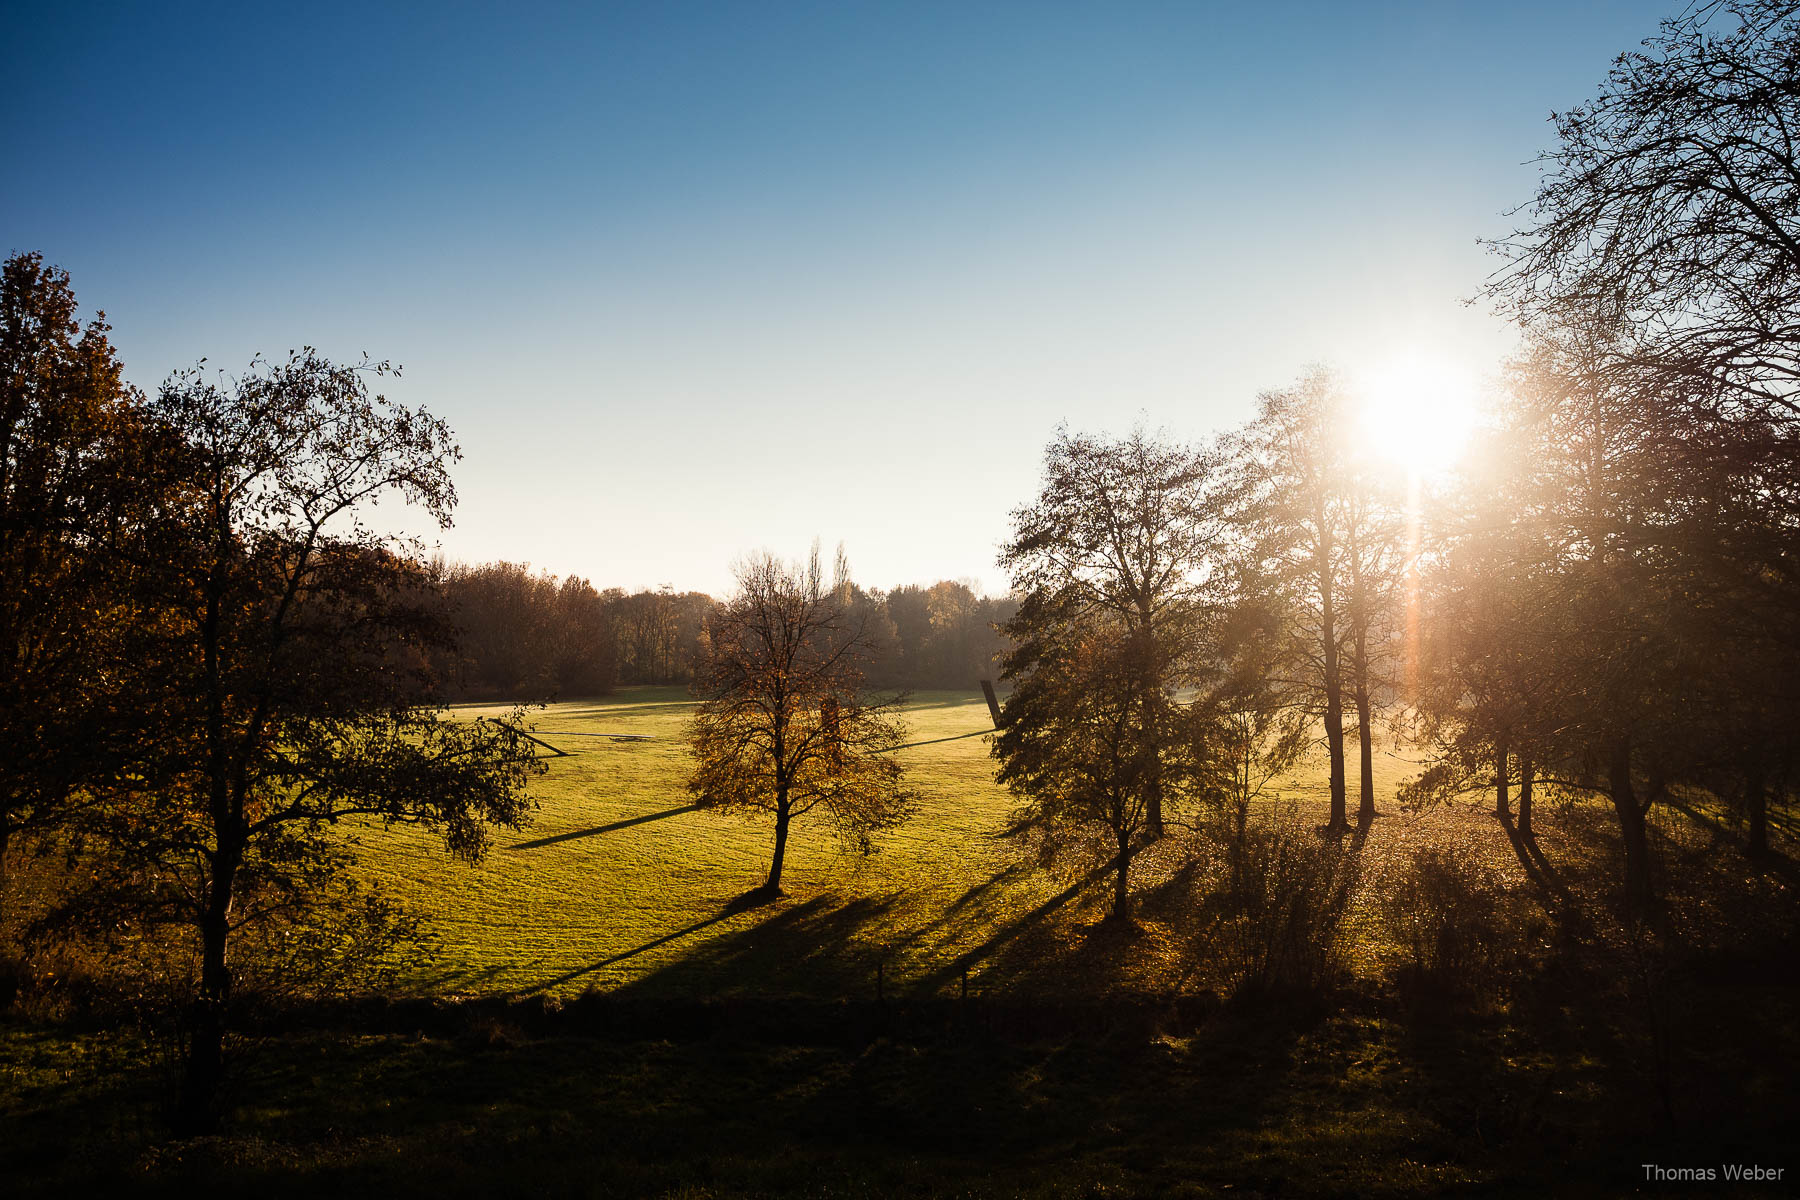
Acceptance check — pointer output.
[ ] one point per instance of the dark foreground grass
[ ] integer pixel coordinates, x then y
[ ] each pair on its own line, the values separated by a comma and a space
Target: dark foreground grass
1351, 1095
1347, 1098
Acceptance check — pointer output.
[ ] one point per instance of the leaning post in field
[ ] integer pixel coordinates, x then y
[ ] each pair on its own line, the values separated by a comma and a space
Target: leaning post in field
993, 702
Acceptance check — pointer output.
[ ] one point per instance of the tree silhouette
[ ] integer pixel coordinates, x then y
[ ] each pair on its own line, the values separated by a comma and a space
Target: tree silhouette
285, 706
1078, 747
1123, 537
82, 488
1291, 508
1671, 207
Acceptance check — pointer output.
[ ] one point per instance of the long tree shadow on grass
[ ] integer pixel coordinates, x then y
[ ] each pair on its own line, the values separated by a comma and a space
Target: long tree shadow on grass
600, 829
1775, 863
1540, 871
822, 946
741, 904
1048, 949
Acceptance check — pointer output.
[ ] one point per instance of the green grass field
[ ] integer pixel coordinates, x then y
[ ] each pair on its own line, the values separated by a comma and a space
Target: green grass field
622, 882
1547, 1084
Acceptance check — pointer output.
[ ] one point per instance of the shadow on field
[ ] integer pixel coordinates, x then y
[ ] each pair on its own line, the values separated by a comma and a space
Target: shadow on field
600, 829
1032, 956
461, 979
1775, 863
822, 945
971, 701
1539, 869
557, 981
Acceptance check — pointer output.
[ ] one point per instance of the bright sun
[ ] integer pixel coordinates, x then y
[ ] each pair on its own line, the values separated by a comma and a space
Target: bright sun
1417, 411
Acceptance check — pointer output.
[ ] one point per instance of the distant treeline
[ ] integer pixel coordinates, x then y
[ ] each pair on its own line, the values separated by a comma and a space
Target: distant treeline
530, 635
942, 636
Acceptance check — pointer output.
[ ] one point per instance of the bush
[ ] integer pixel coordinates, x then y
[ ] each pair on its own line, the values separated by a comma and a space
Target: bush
1274, 924
1460, 928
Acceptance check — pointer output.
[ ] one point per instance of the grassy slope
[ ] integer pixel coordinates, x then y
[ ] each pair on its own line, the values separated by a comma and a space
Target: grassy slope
620, 881
1368, 1097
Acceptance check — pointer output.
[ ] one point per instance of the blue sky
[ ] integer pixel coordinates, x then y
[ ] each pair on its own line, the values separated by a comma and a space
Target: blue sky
693, 279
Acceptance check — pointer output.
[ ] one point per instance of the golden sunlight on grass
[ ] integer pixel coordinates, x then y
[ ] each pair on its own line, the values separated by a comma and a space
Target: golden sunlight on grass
1417, 410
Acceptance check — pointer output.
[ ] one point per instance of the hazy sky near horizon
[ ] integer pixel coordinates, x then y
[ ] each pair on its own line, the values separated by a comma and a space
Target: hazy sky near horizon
693, 279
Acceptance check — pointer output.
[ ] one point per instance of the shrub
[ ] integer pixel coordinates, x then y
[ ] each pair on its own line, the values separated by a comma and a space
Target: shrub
1274, 924
1460, 928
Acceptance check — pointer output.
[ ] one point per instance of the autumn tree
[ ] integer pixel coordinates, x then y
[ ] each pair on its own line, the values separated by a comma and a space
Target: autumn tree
1087, 752
658, 633
1562, 653
1250, 730
1123, 537
1375, 554
784, 727
285, 708
1290, 504
81, 483
527, 636
1668, 213
1484, 688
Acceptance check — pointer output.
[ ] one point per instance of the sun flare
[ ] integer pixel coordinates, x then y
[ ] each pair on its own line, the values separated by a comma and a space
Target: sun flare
1418, 412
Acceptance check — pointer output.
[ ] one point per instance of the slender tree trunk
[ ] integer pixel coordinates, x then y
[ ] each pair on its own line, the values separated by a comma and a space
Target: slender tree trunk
1333, 680
1154, 819
1502, 803
205, 1068
1151, 682
1525, 769
1756, 802
781, 836
1631, 830
1121, 909
1334, 746
1365, 807
1334, 725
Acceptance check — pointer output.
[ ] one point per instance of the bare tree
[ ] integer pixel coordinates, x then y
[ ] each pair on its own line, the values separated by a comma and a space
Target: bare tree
1373, 552
1671, 207
1560, 629
1669, 215
784, 727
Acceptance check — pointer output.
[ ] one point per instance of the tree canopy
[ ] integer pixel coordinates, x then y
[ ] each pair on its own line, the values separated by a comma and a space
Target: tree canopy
784, 727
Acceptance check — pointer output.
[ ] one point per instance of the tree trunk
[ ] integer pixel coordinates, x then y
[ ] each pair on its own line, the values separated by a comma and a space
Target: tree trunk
1756, 804
781, 836
1334, 746
1524, 796
1631, 831
1365, 807
1121, 909
1153, 824
1150, 677
1502, 803
1333, 678
205, 1067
